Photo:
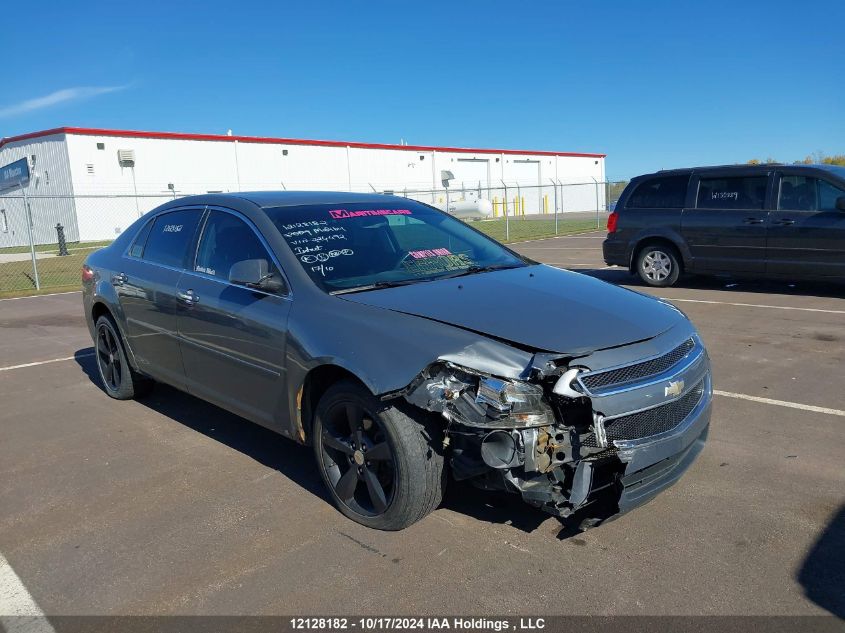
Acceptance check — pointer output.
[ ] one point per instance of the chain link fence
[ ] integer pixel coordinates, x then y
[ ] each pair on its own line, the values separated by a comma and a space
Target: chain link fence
44, 240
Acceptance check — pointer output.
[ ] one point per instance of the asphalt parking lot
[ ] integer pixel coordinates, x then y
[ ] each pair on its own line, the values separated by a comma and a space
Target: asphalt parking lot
171, 506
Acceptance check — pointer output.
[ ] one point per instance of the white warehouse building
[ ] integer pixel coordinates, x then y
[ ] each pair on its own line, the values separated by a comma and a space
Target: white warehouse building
95, 182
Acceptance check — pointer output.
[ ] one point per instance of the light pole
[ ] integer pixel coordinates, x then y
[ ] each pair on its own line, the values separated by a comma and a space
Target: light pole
598, 223
31, 238
445, 177
505, 209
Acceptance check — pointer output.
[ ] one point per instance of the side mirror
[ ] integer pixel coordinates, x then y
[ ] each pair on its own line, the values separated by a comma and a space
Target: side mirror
255, 273
840, 203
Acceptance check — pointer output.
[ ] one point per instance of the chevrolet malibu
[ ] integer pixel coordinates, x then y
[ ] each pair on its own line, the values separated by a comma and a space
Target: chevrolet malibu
403, 345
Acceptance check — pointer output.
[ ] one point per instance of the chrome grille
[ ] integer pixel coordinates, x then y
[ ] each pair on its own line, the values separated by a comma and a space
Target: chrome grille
601, 381
654, 421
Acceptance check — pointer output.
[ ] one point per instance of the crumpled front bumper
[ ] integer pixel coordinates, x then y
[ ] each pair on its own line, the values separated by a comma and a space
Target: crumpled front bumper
630, 472
651, 468
605, 488
623, 424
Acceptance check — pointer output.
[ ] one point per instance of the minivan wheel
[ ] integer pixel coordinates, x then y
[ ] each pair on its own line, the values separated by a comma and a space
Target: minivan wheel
119, 380
658, 265
382, 467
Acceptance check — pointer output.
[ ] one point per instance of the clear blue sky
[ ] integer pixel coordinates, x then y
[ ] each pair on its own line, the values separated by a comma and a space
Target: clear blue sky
652, 84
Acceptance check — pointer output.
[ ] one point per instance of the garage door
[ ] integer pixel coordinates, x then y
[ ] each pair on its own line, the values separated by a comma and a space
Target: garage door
471, 178
527, 174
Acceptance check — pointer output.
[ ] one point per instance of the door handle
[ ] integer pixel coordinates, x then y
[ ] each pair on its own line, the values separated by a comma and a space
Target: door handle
189, 297
119, 279
785, 222
753, 221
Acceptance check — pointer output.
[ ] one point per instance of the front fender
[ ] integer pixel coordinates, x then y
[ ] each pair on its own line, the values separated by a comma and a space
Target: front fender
385, 349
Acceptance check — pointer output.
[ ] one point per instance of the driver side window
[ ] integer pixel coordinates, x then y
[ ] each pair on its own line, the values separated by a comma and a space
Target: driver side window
226, 240
828, 193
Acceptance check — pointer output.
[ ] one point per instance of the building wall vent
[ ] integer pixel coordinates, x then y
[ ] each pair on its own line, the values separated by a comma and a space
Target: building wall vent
90, 169
126, 157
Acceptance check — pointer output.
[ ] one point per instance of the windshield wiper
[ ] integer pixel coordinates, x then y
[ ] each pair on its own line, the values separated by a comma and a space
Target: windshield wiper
379, 285
472, 270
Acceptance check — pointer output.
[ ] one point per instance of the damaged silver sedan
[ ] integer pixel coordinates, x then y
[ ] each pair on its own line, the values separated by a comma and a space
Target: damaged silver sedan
403, 345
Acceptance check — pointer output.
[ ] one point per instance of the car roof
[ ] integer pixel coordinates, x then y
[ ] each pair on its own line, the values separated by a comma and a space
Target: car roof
686, 170
270, 199
734, 167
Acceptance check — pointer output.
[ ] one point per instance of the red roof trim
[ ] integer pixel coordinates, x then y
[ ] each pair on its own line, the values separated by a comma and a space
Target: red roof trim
279, 141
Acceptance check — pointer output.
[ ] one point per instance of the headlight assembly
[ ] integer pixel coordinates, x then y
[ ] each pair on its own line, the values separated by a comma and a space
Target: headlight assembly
513, 403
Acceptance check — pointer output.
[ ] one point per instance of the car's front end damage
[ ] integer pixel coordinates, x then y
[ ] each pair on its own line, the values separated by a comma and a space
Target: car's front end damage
584, 437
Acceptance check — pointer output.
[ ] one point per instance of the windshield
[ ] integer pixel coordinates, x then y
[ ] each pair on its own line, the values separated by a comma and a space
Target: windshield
363, 245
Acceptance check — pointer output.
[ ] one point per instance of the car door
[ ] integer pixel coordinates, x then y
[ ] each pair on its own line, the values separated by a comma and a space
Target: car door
726, 230
807, 232
146, 286
233, 337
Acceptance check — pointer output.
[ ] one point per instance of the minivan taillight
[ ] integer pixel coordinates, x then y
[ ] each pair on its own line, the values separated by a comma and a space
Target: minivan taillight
87, 273
612, 219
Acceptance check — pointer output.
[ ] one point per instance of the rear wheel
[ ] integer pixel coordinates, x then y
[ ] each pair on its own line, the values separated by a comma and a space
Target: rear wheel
381, 466
119, 380
658, 265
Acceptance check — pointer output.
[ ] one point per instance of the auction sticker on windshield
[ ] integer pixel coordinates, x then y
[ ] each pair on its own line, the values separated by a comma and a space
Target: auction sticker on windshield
360, 245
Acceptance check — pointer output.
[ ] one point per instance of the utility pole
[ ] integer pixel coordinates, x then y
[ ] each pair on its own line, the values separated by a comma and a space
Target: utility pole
28, 216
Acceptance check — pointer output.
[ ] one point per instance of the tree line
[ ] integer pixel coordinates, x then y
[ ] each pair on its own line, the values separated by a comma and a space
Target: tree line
816, 158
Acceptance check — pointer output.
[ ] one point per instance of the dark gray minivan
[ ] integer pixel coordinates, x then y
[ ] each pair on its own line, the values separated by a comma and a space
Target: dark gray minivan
785, 221
403, 345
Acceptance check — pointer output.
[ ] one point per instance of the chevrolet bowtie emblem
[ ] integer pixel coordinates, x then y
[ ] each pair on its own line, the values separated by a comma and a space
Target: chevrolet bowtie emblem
675, 388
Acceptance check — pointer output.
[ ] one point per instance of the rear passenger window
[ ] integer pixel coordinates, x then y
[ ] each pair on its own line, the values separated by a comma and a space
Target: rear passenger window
137, 248
732, 193
660, 193
170, 237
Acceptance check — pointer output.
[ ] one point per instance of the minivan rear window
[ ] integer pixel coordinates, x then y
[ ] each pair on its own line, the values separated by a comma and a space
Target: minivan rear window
743, 192
669, 192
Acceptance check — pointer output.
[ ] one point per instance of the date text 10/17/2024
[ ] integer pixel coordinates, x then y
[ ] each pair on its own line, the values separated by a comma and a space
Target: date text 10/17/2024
418, 624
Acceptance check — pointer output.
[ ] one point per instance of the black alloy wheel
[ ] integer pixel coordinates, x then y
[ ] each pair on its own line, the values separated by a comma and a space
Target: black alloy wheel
382, 462
109, 357
120, 381
357, 459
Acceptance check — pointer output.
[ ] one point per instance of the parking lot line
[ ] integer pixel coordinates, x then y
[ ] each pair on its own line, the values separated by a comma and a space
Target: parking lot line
780, 403
571, 265
49, 294
46, 362
755, 305
572, 237
18, 610
556, 237
727, 394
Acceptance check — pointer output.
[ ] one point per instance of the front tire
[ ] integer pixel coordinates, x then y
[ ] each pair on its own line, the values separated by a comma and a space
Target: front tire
119, 380
658, 265
383, 468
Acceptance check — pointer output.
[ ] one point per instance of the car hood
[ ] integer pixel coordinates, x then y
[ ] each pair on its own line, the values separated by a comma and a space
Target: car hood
536, 307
